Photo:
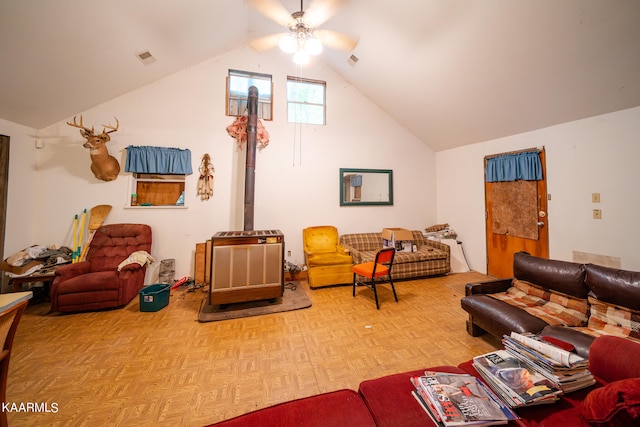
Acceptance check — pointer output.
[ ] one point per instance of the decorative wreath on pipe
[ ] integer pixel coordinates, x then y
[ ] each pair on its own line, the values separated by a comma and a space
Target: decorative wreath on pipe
238, 130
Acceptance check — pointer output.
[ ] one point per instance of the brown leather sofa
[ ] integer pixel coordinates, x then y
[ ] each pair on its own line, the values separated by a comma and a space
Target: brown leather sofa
98, 283
610, 298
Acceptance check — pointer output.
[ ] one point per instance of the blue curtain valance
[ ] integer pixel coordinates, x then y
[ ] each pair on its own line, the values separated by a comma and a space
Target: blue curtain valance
512, 167
163, 160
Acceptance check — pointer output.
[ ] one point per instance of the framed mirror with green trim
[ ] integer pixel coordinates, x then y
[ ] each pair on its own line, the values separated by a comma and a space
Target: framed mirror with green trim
366, 187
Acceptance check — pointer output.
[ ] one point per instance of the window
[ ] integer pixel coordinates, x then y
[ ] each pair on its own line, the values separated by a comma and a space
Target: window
158, 175
157, 190
238, 84
306, 101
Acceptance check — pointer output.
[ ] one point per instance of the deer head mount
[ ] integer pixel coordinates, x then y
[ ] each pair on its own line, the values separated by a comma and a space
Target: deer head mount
104, 166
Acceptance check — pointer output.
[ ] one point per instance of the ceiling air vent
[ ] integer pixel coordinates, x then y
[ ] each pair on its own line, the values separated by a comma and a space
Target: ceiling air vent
352, 60
146, 57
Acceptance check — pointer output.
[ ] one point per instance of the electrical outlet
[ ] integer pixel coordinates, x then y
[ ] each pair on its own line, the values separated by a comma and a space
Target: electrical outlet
595, 197
597, 214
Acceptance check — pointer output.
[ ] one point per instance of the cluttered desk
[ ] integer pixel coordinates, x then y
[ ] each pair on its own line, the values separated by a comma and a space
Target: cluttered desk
34, 264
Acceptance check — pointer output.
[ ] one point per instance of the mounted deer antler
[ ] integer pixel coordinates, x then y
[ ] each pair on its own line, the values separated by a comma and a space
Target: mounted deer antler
104, 166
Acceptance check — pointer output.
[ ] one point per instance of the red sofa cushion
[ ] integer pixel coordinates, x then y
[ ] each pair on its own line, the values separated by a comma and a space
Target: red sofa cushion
390, 401
614, 358
335, 409
616, 404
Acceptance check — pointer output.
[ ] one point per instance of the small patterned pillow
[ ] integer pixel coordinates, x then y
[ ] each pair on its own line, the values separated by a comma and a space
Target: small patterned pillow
614, 319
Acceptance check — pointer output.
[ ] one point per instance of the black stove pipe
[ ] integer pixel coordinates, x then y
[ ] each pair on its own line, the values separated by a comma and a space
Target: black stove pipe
250, 171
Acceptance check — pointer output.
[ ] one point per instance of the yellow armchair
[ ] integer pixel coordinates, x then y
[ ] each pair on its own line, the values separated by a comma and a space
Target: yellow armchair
327, 261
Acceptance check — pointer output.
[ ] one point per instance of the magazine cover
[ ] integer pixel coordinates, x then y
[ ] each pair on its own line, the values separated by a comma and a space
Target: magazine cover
423, 402
550, 353
514, 376
565, 380
461, 399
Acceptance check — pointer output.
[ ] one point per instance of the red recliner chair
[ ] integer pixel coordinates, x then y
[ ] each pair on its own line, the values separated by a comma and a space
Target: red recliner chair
96, 283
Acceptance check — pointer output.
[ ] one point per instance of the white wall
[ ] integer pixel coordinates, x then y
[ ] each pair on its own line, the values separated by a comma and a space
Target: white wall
297, 175
594, 155
21, 199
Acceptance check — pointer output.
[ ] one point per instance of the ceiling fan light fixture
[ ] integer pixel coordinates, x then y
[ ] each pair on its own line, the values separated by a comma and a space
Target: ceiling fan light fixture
288, 43
300, 40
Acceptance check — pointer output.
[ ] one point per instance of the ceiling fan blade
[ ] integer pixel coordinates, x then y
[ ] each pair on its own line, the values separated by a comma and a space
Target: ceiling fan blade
264, 43
336, 40
320, 11
273, 10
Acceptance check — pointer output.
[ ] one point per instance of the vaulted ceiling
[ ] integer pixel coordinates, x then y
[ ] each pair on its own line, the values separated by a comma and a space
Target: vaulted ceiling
454, 72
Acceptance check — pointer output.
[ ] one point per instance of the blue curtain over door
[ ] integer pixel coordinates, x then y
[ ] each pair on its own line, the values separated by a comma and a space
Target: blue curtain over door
513, 167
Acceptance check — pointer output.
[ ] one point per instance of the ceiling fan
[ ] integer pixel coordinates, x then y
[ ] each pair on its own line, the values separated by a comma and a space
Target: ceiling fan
303, 39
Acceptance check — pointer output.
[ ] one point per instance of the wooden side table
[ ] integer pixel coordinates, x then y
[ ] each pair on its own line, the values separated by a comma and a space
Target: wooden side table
45, 277
12, 305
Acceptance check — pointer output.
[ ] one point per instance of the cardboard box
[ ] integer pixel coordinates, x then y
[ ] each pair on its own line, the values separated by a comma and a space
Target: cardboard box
399, 238
21, 270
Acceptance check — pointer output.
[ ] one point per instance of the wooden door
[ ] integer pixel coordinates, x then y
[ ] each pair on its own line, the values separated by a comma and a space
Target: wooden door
516, 220
4, 185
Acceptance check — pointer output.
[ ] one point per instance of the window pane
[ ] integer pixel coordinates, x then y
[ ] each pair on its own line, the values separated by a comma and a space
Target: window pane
239, 86
305, 102
306, 113
305, 92
239, 83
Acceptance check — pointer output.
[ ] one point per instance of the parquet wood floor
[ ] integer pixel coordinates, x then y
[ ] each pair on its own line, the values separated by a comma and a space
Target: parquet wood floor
129, 368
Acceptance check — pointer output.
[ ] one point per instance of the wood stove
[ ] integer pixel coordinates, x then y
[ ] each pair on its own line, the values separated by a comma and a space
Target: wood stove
246, 266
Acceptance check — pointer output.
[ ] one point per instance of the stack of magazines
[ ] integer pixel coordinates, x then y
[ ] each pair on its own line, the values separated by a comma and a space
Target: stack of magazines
459, 400
514, 381
566, 370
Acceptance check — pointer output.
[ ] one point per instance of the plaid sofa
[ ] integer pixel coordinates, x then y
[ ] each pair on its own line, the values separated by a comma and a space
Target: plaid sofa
430, 259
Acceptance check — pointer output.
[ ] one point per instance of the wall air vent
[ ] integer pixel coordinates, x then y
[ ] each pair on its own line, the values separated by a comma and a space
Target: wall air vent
146, 57
352, 60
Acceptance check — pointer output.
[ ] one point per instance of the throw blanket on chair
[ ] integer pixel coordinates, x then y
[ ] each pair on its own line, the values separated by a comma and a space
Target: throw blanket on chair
138, 257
